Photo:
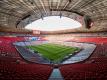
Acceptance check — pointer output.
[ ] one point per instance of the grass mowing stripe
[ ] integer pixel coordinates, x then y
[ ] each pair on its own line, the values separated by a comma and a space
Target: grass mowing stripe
56, 48
54, 52
51, 47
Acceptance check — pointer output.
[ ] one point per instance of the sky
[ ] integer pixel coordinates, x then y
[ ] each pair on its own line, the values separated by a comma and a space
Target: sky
53, 23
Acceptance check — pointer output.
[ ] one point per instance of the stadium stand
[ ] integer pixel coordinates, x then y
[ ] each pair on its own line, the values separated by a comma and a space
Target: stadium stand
97, 40
13, 66
84, 71
75, 72
97, 60
8, 50
24, 71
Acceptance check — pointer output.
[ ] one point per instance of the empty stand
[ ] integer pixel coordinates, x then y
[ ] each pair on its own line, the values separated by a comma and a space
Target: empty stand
8, 50
95, 68
97, 40
84, 71
25, 72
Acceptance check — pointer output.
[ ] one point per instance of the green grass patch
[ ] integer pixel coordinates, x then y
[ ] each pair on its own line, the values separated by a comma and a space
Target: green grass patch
54, 52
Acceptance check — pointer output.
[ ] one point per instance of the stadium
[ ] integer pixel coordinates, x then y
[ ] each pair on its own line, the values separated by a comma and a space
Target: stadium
53, 39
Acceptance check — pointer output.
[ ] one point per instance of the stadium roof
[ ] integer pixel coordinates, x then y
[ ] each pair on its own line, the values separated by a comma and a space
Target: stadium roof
16, 14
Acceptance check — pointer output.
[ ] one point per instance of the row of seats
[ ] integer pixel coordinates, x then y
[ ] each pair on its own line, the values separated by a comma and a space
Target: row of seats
97, 60
97, 40
90, 71
25, 72
8, 50
100, 50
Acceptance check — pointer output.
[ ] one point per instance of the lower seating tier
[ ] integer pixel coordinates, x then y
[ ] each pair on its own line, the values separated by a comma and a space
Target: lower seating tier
25, 71
84, 71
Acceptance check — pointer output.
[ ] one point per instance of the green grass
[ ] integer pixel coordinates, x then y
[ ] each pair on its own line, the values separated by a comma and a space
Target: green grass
54, 52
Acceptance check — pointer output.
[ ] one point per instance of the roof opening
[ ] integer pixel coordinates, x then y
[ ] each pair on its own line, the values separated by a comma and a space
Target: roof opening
53, 23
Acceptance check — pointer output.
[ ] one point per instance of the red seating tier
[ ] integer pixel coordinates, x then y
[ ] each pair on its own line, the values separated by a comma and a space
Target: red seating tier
84, 71
25, 72
101, 50
8, 49
97, 40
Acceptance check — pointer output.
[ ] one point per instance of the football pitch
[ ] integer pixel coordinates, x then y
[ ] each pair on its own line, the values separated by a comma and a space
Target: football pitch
54, 52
